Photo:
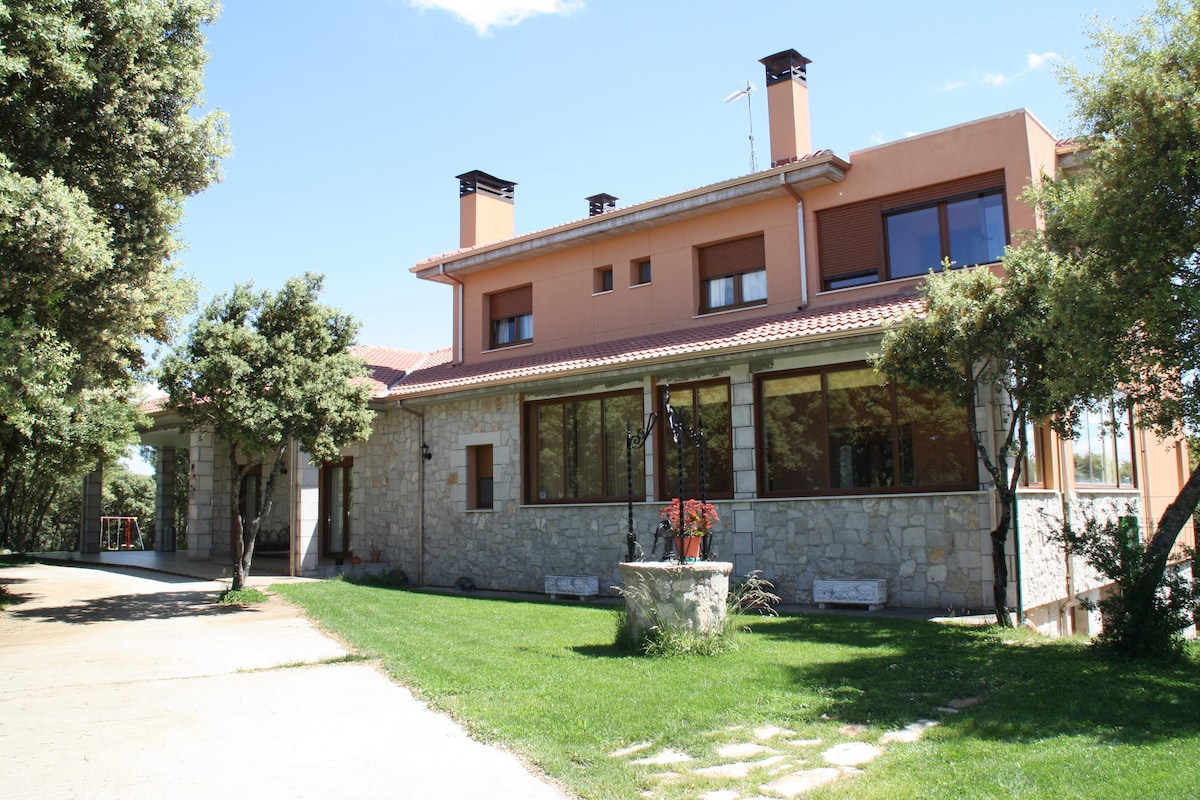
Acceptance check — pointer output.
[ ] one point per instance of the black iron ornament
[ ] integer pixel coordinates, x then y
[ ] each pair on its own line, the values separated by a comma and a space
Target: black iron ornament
633, 440
681, 434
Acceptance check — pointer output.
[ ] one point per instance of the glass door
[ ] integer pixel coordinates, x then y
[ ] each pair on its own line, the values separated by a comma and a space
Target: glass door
336, 483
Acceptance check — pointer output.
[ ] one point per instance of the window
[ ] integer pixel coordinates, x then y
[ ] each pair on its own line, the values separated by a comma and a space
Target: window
479, 476
968, 231
602, 280
733, 274
850, 430
639, 272
907, 234
575, 449
510, 315
1032, 471
334, 503
1104, 450
706, 403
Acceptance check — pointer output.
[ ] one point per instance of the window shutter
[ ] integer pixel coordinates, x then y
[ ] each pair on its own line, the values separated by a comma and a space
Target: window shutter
944, 191
730, 258
850, 239
511, 303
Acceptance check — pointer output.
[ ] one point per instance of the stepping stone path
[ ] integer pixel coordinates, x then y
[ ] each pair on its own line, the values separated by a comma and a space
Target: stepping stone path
785, 776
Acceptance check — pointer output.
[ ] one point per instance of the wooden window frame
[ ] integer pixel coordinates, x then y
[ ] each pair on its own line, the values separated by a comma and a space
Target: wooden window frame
731, 259
480, 467
510, 308
666, 452
532, 451
826, 487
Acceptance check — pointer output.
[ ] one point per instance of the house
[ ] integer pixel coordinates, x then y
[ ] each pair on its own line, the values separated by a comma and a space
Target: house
750, 306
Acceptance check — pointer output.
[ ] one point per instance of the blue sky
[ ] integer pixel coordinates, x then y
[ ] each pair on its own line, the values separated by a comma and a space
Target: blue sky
349, 121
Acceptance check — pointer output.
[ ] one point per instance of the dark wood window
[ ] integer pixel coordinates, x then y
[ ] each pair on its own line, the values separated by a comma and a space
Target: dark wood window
849, 430
602, 280
479, 476
575, 449
510, 314
910, 233
707, 403
639, 272
335, 506
733, 274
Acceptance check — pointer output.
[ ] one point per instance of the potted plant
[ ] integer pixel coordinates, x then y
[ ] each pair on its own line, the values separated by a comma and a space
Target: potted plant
690, 522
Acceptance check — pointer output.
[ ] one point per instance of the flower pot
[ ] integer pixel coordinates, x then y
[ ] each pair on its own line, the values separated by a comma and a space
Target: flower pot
375, 556
688, 548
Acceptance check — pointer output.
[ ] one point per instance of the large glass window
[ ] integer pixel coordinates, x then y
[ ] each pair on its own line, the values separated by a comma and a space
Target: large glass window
575, 448
1103, 449
850, 430
967, 231
706, 403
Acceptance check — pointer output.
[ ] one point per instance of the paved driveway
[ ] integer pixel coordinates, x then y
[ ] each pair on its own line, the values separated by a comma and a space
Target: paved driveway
123, 685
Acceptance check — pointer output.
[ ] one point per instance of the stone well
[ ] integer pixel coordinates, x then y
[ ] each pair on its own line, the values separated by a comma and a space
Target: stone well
687, 596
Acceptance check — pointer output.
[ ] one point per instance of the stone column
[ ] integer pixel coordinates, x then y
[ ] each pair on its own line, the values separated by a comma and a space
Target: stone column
164, 501
200, 496
89, 519
304, 486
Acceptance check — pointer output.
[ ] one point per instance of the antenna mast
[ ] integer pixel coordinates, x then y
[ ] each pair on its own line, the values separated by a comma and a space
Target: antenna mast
738, 95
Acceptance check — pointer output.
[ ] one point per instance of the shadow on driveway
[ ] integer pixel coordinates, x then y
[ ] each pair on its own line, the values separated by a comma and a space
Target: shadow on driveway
132, 607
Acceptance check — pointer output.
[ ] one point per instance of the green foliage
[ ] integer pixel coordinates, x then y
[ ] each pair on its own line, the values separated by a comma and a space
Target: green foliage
1145, 618
262, 369
246, 596
99, 147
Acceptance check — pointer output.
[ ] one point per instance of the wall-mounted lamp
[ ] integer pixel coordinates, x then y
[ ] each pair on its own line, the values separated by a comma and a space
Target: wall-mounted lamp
425, 454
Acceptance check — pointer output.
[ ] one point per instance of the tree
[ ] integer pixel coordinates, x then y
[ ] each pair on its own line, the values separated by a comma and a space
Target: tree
1129, 224
980, 338
263, 372
100, 144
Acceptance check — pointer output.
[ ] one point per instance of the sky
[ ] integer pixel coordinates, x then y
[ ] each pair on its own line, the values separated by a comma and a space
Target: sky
350, 120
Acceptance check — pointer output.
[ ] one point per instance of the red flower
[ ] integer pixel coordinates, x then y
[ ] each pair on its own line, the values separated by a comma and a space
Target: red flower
698, 517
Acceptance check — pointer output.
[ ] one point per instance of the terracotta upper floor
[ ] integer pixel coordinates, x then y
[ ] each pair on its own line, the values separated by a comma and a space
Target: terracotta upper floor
815, 230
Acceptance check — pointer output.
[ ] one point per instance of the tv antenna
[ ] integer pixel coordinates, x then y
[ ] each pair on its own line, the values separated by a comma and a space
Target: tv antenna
738, 95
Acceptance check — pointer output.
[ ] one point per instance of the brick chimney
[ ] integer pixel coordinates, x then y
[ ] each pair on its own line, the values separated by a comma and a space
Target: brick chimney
485, 205
787, 106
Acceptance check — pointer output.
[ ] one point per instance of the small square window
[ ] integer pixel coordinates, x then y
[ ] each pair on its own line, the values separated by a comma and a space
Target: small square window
639, 272
602, 280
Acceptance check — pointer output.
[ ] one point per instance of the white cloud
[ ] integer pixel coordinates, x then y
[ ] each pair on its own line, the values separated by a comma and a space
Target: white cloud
483, 15
1039, 60
994, 79
950, 86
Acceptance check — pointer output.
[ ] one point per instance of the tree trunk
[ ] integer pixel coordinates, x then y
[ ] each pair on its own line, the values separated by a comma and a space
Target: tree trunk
1143, 589
999, 558
240, 570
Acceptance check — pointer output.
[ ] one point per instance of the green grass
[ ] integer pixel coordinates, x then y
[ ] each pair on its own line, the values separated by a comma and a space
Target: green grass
1054, 718
246, 596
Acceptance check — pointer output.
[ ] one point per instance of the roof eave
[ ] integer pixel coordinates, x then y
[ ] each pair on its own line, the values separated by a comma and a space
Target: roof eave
782, 181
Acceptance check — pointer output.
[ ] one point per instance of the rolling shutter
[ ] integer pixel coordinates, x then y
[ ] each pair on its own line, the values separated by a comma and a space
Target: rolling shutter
849, 240
511, 303
730, 258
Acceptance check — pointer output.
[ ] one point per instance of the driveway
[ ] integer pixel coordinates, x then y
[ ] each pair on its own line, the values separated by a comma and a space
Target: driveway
122, 685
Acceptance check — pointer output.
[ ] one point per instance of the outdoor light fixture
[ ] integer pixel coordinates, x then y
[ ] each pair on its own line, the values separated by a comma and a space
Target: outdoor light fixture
425, 454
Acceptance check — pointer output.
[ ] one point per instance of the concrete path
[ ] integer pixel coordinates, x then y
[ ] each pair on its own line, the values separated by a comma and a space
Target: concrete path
119, 685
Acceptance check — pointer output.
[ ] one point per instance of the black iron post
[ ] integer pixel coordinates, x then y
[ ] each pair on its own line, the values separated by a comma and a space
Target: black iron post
633, 440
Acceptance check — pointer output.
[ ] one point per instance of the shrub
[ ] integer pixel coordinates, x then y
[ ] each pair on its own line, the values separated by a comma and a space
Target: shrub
1143, 618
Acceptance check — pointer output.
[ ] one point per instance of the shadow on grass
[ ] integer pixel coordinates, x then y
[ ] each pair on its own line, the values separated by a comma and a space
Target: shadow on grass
1012, 687
132, 608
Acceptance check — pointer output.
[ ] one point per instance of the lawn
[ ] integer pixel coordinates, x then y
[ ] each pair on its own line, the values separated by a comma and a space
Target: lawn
1035, 717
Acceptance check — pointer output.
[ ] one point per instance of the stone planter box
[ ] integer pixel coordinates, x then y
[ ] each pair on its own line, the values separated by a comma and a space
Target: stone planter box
687, 596
870, 593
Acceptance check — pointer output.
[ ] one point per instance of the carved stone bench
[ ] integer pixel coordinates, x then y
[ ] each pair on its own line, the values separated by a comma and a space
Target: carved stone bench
869, 593
582, 585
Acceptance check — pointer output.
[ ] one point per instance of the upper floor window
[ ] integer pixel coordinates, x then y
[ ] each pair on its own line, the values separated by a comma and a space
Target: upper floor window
639, 272
733, 274
602, 280
575, 449
851, 430
510, 314
967, 231
1103, 450
907, 234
